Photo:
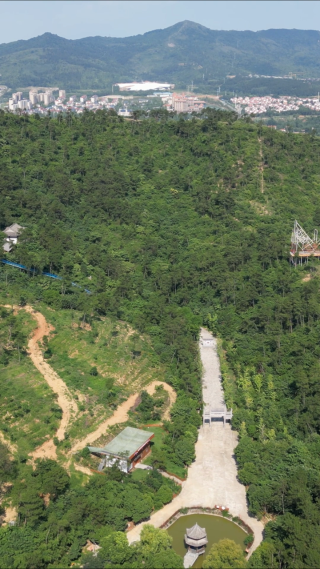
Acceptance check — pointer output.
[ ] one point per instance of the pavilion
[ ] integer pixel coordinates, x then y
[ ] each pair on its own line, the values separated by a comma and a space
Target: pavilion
196, 540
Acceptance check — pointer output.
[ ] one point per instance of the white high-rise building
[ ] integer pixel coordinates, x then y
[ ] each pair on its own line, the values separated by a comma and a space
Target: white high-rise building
18, 95
48, 98
33, 96
24, 104
62, 94
12, 104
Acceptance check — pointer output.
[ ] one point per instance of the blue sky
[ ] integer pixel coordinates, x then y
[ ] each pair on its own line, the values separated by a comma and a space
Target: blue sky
76, 19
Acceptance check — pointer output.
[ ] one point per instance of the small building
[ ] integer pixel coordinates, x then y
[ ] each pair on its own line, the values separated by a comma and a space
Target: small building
196, 540
124, 113
128, 448
12, 233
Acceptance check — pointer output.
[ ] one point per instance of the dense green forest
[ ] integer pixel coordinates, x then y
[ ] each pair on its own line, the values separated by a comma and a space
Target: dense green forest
175, 223
179, 54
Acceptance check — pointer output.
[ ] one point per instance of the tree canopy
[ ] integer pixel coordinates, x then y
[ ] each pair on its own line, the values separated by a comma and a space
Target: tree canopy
226, 554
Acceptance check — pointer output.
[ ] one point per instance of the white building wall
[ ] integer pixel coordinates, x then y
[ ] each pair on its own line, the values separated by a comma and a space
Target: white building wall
123, 464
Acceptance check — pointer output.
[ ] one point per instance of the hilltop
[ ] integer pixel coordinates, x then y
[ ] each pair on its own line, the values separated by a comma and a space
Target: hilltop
181, 53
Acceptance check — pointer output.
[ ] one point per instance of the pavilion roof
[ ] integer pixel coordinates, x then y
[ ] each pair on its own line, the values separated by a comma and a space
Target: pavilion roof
196, 532
13, 230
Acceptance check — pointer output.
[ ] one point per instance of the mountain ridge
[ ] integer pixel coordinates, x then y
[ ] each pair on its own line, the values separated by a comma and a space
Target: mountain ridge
181, 53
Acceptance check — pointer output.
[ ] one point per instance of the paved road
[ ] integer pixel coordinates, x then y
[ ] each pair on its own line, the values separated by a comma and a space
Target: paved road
212, 477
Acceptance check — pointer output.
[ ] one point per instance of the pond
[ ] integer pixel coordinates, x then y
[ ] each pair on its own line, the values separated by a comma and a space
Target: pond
217, 528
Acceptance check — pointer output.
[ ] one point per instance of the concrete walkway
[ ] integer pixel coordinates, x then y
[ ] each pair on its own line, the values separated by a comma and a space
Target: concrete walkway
212, 477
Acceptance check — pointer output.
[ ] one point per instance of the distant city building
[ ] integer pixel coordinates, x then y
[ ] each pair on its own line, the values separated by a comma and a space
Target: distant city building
24, 104
48, 98
17, 96
144, 86
125, 113
33, 96
183, 104
83, 98
94, 99
62, 94
13, 105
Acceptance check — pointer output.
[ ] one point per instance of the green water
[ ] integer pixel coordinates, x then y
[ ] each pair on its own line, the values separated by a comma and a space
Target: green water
217, 528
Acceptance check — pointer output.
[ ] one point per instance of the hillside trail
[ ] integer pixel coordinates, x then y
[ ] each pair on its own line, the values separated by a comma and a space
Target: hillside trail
121, 414
65, 400
261, 167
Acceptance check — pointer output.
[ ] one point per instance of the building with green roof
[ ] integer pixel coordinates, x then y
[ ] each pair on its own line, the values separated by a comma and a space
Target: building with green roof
128, 448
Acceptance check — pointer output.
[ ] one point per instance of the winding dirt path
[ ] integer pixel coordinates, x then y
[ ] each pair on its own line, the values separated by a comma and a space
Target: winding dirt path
65, 399
121, 414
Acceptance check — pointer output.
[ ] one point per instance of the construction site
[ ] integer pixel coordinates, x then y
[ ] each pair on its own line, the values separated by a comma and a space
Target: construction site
303, 246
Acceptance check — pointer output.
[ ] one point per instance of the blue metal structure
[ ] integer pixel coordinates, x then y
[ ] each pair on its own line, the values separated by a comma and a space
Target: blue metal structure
51, 275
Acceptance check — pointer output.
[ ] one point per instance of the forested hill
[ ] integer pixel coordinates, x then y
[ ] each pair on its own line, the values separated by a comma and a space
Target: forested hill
181, 53
175, 224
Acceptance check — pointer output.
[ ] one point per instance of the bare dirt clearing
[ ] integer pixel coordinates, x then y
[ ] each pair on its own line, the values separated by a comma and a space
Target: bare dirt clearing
12, 448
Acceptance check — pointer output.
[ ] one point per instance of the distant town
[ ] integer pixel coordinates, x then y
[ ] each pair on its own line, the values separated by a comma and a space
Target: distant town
160, 95
260, 105
42, 102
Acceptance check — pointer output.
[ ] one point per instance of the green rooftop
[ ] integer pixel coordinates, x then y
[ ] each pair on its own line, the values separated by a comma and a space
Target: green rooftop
126, 443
